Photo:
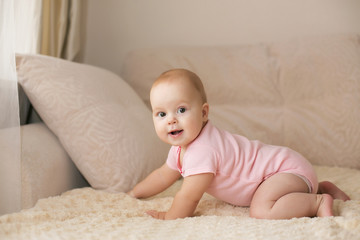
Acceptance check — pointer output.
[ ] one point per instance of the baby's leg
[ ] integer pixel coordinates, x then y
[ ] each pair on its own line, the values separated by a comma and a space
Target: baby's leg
333, 190
285, 195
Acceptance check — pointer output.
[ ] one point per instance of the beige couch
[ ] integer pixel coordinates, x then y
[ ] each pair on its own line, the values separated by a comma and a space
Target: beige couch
303, 93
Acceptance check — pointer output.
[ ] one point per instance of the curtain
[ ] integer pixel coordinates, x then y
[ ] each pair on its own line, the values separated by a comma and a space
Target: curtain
27, 15
61, 28
10, 159
37, 26
27, 18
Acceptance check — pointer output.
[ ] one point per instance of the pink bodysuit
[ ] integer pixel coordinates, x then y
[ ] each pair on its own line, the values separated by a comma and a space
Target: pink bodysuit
239, 165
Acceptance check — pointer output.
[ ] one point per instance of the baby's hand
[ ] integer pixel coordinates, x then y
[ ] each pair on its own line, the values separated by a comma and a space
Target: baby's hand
131, 194
156, 214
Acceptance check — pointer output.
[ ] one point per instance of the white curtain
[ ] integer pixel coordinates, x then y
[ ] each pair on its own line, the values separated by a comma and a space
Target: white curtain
27, 18
27, 15
19, 32
10, 159
23, 29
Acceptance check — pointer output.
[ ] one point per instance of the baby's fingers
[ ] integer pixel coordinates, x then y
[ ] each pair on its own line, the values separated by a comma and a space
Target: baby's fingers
152, 213
156, 214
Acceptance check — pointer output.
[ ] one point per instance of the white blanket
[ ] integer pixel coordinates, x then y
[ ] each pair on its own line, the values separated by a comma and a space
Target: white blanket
90, 214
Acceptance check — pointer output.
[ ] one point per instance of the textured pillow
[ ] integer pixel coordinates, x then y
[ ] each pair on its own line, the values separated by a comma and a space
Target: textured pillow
101, 122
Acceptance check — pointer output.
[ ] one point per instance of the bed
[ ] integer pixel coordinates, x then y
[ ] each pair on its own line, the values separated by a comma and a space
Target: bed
304, 94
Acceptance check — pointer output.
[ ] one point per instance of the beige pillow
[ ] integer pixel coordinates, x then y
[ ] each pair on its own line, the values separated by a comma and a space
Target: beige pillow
101, 122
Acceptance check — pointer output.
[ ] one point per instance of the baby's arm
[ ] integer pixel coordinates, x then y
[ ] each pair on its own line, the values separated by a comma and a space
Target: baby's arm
156, 182
187, 199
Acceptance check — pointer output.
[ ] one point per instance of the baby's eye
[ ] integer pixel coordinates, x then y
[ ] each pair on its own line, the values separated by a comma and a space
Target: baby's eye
161, 114
181, 110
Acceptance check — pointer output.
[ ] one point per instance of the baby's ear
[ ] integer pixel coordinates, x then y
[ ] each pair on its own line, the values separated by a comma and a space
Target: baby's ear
205, 111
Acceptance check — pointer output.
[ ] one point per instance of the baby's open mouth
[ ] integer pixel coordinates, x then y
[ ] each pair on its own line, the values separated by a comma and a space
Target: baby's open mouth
177, 132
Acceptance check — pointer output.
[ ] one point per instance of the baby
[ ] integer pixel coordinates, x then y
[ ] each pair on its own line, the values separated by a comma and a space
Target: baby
276, 182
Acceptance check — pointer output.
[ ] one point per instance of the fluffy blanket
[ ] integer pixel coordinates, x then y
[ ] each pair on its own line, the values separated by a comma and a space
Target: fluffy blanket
89, 214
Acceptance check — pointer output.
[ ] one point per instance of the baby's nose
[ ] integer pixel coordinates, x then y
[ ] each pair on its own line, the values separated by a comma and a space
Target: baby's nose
172, 120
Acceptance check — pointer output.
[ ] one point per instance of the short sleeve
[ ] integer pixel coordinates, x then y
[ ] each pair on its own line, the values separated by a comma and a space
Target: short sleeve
171, 159
200, 159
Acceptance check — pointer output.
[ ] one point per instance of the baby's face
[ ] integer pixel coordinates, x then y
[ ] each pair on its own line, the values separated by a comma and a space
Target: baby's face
178, 112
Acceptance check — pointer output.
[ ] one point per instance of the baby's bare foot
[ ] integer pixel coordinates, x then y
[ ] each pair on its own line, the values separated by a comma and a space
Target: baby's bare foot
333, 190
325, 206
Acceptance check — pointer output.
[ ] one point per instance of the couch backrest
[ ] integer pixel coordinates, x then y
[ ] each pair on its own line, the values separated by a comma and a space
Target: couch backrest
304, 93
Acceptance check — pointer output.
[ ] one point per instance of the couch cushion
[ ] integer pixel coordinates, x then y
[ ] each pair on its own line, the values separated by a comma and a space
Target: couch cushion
303, 94
239, 82
319, 81
46, 168
101, 122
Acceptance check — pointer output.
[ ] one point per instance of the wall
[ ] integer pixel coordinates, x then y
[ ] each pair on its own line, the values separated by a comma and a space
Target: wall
115, 27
